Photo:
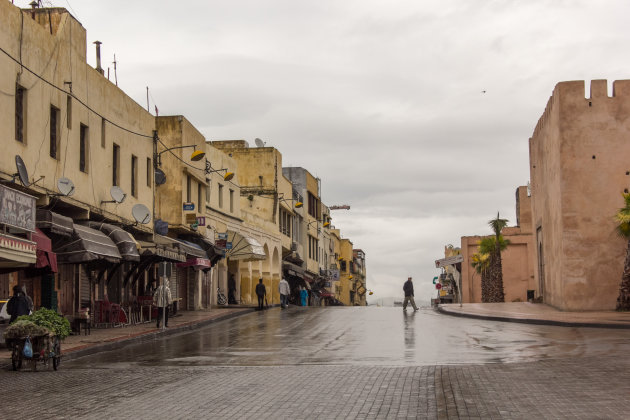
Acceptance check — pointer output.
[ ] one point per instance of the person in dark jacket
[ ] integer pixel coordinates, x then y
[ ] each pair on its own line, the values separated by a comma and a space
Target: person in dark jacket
17, 305
261, 292
408, 289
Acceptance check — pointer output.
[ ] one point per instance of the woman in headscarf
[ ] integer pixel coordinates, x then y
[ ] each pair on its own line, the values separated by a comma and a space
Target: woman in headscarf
17, 305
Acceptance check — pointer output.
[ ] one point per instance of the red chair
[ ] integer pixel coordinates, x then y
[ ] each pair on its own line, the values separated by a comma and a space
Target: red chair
114, 314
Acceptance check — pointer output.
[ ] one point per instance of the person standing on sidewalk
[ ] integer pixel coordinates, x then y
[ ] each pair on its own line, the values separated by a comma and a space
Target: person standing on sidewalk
284, 290
408, 289
162, 299
17, 305
261, 292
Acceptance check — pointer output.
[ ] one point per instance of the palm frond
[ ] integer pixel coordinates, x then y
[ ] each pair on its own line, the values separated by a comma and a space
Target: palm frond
497, 224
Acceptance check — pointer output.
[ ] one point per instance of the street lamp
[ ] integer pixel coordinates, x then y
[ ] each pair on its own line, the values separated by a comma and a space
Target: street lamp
228, 175
195, 156
298, 204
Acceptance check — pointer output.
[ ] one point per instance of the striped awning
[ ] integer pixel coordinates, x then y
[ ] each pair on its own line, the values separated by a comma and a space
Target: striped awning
85, 245
124, 241
52, 222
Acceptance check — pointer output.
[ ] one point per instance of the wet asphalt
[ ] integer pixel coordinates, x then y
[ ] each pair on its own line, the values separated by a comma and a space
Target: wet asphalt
372, 336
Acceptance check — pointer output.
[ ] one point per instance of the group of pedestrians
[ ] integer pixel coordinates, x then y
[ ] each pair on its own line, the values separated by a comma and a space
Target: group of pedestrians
285, 291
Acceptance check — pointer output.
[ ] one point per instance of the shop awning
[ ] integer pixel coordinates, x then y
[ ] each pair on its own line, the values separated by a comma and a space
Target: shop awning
190, 249
196, 263
45, 256
16, 252
326, 294
213, 252
85, 245
293, 269
124, 241
163, 247
244, 248
54, 223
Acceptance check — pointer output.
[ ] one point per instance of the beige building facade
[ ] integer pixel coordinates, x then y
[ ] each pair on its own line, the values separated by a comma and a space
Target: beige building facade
517, 260
578, 173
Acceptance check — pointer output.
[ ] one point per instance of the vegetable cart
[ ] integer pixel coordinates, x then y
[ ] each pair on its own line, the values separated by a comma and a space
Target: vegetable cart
46, 349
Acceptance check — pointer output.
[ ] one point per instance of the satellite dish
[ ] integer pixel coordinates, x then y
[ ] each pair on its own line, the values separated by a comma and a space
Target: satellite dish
259, 142
141, 213
65, 186
160, 176
117, 194
22, 173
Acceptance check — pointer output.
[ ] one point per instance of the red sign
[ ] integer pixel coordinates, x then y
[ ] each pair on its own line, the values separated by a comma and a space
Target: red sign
438, 286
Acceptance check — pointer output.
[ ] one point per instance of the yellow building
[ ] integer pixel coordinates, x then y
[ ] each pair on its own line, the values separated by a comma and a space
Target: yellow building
259, 176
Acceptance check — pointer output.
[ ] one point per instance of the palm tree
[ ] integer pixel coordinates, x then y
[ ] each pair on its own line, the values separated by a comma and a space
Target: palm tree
482, 263
495, 292
623, 228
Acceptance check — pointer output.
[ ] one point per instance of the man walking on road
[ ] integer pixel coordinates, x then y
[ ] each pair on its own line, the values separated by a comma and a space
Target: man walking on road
261, 292
162, 299
284, 290
408, 289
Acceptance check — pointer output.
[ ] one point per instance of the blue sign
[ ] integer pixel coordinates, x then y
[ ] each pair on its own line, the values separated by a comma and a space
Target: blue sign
222, 235
189, 206
228, 245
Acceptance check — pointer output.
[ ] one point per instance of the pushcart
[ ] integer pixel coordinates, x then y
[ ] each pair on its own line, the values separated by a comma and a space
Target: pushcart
46, 349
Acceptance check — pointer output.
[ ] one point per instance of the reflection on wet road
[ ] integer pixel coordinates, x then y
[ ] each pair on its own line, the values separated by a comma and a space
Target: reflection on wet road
364, 336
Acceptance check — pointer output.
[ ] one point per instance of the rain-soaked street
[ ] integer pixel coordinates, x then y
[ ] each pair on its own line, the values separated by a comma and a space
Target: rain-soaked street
342, 363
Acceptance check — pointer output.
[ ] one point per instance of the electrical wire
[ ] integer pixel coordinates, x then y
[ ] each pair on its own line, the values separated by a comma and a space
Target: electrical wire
77, 99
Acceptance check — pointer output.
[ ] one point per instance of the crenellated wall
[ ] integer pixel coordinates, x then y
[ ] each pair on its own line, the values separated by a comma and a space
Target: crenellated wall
578, 170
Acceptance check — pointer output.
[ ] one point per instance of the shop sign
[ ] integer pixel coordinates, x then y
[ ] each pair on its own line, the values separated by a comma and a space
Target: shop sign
228, 245
191, 217
222, 236
201, 221
189, 206
333, 274
17, 244
220, 243
17, 209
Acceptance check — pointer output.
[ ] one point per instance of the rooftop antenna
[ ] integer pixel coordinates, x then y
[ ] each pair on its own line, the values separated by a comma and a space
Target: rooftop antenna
259, 142
115, 74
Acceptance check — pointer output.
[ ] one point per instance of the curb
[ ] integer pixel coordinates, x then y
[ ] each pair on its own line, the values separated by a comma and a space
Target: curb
534, 321
141, 337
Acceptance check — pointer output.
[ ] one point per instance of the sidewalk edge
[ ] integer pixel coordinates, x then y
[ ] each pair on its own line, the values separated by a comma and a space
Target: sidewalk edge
533, 320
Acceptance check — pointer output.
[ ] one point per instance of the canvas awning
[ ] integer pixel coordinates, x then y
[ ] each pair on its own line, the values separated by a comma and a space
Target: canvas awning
293, 269
85, 245
54, 223
244, 248
16, 252
213, 252
124, 241
190, 249
163, 247
196, 263
45, 255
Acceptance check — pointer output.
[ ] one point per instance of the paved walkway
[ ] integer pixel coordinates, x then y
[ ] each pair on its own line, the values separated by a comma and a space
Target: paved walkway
101, 339
537, 313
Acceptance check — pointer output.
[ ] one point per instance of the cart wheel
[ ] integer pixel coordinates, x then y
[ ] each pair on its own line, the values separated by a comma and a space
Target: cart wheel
56, 361
16, 357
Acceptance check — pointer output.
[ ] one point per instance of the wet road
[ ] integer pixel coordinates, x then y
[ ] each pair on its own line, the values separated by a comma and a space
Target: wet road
338, 363
368, 336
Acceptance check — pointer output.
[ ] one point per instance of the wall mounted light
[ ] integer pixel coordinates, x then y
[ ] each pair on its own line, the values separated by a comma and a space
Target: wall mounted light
226, 177
195, 156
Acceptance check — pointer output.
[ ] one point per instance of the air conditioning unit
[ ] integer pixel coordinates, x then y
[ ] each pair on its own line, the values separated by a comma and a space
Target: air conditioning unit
294, 246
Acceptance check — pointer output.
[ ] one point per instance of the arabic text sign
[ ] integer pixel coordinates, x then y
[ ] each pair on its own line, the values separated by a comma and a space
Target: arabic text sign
17, 209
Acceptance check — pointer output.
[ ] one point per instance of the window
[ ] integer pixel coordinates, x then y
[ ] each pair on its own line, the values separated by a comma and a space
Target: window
54, 132
313, 248
188, 188
208, 191
342, 265
286, 220
83, 148
69, 111
103, 132
149, 170
199, 197
134, 176
220, 196
312, 205
231, 201
20, 113
116, 165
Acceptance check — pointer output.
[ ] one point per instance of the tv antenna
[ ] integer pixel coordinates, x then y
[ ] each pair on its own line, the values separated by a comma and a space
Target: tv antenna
118, 195
65, 186
160, 176
21, 173
259, 142
141, 213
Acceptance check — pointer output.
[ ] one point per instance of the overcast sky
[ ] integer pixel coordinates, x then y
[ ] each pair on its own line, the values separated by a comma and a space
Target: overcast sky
415, 113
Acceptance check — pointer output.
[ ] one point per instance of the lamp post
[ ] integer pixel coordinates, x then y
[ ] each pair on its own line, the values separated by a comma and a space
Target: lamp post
228, 175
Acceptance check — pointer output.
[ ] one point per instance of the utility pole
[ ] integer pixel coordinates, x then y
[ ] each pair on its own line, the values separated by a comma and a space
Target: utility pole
115, 74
